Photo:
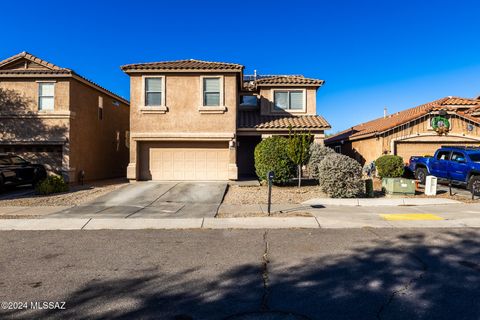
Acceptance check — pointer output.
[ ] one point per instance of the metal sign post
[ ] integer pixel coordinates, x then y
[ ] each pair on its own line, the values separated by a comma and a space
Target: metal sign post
270, 177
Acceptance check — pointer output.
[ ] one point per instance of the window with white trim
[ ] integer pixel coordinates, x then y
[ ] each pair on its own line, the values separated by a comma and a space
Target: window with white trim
211, 91
154, 95
289, 99
46, 96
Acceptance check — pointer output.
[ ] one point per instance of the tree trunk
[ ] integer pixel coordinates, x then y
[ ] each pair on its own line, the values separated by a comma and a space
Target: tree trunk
299, 175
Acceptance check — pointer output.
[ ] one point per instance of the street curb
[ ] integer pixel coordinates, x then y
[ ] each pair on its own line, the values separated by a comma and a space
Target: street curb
222, 223
261, 223
42, 224
142, 224
138, 223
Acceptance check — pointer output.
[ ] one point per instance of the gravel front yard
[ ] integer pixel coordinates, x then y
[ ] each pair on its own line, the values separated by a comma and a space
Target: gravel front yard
76, 195
280, 195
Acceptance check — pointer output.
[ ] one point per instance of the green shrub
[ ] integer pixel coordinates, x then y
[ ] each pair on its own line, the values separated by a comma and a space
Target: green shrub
52, 184
271, 155
340, 176
317, 153
389, 166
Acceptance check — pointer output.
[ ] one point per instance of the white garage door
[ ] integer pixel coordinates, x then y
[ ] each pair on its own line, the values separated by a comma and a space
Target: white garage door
185, 161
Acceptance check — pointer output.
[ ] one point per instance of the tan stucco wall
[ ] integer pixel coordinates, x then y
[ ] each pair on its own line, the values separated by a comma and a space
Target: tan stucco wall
94, 145
182, 121
21, 123
73, 124
266, 100
183, 98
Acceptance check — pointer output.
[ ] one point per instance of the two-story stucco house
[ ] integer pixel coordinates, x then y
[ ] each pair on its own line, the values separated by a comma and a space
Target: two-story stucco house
200, 120
54, 116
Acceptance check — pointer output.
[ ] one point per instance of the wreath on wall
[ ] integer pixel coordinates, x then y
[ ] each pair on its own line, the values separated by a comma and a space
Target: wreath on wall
441, 125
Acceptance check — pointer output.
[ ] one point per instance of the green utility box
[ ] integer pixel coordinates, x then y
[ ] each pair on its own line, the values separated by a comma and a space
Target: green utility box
398, 186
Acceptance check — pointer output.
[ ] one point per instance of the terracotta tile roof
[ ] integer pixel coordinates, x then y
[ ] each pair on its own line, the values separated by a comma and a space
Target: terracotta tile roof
49, 68
253, 120
288, 80
181, 65
380, 125
35, 59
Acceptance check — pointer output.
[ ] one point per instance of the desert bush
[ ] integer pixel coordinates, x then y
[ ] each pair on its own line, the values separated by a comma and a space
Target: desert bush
389, 166
271, 155
317, 153
340, 176
52, 184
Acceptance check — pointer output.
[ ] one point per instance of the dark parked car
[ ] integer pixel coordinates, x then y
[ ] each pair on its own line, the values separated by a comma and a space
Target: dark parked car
15, 170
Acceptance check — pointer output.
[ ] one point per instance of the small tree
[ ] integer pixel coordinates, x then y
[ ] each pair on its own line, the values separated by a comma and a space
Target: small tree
298, 150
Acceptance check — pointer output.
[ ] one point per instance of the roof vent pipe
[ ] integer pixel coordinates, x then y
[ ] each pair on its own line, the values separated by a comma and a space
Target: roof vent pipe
384, 112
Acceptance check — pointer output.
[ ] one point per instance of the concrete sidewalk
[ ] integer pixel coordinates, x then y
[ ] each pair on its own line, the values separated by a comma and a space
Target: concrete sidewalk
326, 219
371, 202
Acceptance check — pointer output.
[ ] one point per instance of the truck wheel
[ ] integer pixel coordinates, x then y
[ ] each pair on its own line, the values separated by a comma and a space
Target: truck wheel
421, 175
474, 183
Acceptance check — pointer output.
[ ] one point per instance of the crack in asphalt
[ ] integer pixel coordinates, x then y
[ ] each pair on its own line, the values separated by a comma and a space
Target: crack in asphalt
265, 277
408, 284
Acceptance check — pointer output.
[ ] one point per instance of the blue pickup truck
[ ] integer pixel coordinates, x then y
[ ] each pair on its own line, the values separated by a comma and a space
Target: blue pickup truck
461, 165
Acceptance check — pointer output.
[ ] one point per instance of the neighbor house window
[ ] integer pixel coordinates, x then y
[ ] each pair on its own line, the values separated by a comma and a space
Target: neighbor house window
100, 108
248, 101
46, 95
289, 99
212, 91
154, 95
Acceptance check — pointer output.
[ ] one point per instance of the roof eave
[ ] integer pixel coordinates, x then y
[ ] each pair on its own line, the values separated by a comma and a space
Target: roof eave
283, 129
160, 70
289, 85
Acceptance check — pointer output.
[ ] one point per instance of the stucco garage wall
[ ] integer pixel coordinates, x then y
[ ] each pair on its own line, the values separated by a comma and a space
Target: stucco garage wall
182, 120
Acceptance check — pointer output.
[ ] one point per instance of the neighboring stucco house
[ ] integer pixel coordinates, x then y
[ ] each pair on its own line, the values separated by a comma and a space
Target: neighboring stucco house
200, 120
54, 116
413, 131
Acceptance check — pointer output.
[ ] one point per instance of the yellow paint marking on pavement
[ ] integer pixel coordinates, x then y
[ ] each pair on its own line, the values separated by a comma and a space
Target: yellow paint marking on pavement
410, 216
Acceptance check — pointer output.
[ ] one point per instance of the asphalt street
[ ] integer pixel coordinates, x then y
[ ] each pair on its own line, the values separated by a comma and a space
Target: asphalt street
216, 274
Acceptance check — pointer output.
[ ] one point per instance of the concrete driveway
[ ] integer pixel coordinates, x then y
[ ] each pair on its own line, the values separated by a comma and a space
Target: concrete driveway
153, 200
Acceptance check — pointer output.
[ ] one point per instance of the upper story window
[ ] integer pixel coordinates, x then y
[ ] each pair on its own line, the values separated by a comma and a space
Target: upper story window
248, 101
212, 88
154, 91
289, 99
46, 95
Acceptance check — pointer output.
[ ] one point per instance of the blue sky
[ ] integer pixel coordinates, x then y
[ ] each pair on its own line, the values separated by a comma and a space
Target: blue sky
372, 54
